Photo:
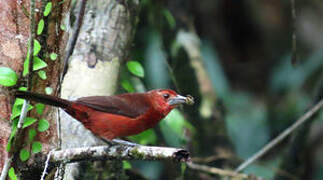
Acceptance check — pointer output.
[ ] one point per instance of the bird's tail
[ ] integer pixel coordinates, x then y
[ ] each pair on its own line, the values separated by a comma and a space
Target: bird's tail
46, 99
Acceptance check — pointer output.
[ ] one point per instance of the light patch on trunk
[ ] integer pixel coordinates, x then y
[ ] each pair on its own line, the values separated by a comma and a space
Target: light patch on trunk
81, 81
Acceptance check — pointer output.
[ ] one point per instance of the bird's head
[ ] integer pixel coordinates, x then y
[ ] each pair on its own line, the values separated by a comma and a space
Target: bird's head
164, 100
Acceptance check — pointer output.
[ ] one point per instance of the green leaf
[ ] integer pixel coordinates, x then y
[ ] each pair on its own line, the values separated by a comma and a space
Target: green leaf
136, 68
24, 154
63, 27
26, 66
170, 18
144, 138
29, 121
16, 109
19, 101
23, 88
36, 147
42, 74
12, 174
40, 108
8, 77
14, 127
38, 64
48, 90
37, 47
126, 165
127, 86
48, 8
53, 56
9, 145
12, 134
31, 134
43, 125
40, 27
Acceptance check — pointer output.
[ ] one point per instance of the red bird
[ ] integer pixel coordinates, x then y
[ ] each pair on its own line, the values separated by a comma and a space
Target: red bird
116, 116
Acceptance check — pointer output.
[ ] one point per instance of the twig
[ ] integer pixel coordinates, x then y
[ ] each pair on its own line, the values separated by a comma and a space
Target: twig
23, 115
217, 171
6, 167
31, 38
60, 172
212, 158
23, 8
59, 128
172, 75
26, 103
119, 151
69, 52
294, 44
71, 44
46, 166
282, 136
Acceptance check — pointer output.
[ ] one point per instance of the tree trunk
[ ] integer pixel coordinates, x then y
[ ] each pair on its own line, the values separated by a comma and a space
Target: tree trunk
102, 45
14, 35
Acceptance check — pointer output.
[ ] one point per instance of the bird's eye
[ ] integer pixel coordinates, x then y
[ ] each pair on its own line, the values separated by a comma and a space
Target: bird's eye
166, 96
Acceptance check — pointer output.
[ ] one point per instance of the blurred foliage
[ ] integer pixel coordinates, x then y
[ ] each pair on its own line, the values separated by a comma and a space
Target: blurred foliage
245, 108
286, 77
146, 137
215, 69
155, 62
174, 128
246, 51
245, 48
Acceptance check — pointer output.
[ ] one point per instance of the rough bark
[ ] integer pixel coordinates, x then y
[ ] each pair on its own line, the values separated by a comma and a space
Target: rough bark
14, 35
93, 68
13, 40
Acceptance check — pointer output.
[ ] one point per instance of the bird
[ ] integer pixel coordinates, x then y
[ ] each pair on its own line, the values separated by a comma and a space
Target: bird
116, 116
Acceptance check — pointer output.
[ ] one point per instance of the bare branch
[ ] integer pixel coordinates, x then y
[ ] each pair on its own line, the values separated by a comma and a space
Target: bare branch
217, 171
119, 151
113, 150
46, 166
282, 136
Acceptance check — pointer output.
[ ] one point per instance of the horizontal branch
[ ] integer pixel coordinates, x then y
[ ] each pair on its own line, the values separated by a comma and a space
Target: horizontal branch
125, 151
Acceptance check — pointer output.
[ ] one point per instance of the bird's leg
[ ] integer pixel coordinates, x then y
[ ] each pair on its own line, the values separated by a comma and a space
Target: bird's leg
109, 142
118, 141
123, 142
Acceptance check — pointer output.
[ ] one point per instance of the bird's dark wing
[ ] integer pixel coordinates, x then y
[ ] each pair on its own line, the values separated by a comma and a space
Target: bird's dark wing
130, 105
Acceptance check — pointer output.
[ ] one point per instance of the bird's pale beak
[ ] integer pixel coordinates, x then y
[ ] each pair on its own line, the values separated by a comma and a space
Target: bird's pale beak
177, 100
